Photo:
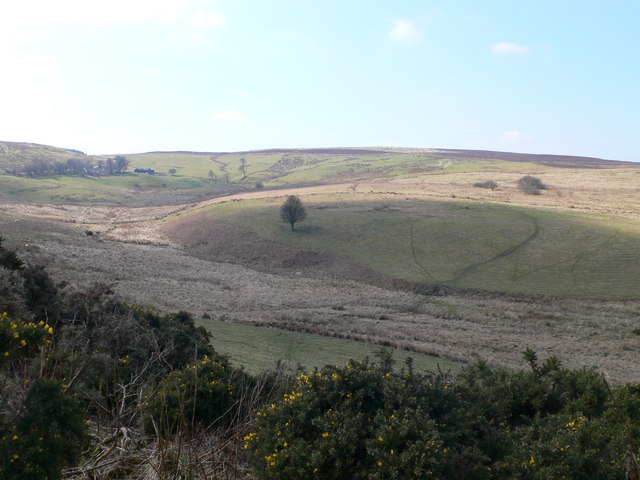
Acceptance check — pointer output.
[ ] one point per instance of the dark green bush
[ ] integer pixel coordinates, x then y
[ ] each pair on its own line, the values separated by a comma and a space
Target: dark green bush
48, 435
9, 259
199, 395
566, 446
487, 184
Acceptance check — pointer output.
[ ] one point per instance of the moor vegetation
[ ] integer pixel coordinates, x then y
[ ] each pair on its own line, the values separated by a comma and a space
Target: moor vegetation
93, 387
403, 248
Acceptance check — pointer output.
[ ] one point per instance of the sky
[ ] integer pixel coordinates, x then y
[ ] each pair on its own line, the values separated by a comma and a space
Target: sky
128, 76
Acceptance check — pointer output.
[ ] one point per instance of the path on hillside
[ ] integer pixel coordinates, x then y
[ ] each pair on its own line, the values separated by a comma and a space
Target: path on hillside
505, 253
474, 266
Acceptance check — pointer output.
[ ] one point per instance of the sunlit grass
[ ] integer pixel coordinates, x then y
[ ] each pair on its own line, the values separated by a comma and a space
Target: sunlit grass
461, 243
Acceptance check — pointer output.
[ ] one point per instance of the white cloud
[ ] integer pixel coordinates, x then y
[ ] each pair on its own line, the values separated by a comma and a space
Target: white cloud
513, 136
507, 48
404, 32
208, 19
230, 116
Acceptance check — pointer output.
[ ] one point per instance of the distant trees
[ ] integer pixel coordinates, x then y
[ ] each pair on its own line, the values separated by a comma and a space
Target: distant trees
41, 167
212, 176
292, 211
172, 171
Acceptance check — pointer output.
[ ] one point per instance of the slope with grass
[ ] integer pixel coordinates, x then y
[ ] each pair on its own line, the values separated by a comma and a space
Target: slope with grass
14, 155
458, 243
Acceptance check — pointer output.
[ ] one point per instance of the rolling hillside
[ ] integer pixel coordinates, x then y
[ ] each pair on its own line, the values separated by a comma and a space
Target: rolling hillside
199, 175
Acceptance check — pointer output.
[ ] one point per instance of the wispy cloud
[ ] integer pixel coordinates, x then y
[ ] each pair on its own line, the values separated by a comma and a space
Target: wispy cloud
403, 31
508, 48
514, 136
229, 116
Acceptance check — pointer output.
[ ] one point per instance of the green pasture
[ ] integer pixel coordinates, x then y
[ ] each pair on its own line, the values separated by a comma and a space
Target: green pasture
113, 190
259, 348
468, 244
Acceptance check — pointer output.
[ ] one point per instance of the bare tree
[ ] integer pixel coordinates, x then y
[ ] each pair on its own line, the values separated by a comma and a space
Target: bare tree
292, 210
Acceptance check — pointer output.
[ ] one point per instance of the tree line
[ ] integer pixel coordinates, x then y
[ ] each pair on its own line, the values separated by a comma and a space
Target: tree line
41, 167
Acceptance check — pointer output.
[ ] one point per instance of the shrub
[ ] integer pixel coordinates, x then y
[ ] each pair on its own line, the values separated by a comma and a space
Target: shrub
487, 184
358, 422
199, 395
531, 185
21, 340
566, 446
9, 259
48, 436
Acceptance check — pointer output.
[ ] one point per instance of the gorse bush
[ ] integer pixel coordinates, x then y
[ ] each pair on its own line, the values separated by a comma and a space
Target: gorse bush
199, 395
48, 434
347, 422
21, 340
42, 427
364, 421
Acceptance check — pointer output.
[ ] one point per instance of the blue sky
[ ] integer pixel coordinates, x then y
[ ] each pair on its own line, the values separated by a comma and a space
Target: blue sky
128, 76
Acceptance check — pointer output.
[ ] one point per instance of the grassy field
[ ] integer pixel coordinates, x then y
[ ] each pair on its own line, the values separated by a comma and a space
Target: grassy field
257, 348
476, 245
129, 189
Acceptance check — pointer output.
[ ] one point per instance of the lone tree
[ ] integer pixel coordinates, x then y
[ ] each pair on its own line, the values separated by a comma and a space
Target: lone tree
243, 167
292, 210
121, 163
